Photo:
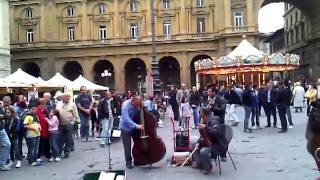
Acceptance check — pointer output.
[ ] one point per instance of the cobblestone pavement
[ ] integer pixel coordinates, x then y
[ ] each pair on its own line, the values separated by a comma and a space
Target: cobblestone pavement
263, 155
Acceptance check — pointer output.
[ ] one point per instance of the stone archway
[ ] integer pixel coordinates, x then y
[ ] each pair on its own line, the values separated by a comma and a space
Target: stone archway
72, 70
133, 68
192, 69
99, 67
169, 71
32, 69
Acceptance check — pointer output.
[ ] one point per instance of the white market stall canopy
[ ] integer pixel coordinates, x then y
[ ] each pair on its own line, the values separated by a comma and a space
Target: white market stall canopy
21, 77
59, 81
81, 81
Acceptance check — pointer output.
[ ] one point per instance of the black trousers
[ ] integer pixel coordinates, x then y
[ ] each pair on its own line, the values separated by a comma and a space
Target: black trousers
175, 109
126, 140
44, 148
271, 110
282, 114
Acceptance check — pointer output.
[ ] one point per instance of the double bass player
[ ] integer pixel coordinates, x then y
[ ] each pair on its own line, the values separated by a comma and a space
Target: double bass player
127, 126
211, 143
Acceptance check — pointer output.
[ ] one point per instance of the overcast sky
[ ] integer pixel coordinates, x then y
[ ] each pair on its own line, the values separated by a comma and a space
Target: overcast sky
271, 17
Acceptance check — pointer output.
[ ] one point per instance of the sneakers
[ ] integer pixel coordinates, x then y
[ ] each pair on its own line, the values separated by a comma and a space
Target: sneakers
39, 160
35, 164
18, 165
248, 130
254, 127
291, 127
57, 159
51, 159
4, 168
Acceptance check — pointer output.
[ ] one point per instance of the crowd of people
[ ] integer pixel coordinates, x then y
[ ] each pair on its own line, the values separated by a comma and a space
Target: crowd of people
49, 125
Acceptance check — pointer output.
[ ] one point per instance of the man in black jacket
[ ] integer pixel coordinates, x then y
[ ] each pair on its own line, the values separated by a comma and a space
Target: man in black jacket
247, 105
216, 104
283, 100
268, 98
106, 115
217, 143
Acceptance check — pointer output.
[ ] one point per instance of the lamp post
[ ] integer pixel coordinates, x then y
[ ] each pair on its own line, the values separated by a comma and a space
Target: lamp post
106, 74
155, 73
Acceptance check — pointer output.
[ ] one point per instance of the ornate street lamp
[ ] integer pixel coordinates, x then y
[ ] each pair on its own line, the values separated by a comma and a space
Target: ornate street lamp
106, 74
155, 73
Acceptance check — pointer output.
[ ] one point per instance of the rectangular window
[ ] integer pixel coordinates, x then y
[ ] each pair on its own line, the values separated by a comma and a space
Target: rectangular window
29, 13
201, 28
238, 20
29, 35
134, 30
167, 28
133, 6
71, 36
70, 11
199, 3
166, 4
103, 32
102, 9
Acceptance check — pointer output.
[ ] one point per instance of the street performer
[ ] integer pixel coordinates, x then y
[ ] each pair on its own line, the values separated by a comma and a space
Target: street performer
211, 143
127, 126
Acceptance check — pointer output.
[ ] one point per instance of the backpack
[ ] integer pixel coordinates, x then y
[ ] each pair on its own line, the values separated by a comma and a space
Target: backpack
101, 109
20, 129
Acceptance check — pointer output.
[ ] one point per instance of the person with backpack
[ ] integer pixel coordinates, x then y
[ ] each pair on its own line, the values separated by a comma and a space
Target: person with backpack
31, 123
11, 123
106, 114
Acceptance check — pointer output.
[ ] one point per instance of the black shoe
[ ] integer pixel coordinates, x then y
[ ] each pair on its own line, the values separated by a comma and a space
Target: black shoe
66, 154
129, 166
275, 126
267, 126
283, 131
223, 159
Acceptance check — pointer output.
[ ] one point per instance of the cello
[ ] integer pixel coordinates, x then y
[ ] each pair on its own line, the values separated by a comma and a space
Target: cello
148, 148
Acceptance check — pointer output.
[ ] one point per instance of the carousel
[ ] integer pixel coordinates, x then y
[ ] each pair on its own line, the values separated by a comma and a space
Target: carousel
244, 64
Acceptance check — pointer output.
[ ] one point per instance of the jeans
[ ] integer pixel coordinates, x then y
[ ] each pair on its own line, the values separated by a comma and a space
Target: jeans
44, 148
288, 113
255, 114
247, 113
107, 125
66, 138
5, 147
196, 118
33, 148
202, 157
14, 150
282, 114
85, 125
53, 140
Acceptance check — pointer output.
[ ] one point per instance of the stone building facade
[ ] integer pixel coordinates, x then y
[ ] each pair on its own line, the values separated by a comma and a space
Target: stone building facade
89, 36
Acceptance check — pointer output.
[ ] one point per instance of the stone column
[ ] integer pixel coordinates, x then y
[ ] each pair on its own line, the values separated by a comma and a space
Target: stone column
43, 22
250, 16
5, 68
116, 18
185, 69
227, 15
148, 17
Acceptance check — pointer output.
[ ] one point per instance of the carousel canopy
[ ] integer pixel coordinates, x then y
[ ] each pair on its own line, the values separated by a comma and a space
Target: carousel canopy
81, 81
244, 50
59, 81
246, 58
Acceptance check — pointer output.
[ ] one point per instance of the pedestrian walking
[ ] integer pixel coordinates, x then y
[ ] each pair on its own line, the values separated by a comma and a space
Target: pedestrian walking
298, 97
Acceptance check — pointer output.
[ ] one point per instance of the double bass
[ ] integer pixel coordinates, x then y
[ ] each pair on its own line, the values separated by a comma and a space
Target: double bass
148, 148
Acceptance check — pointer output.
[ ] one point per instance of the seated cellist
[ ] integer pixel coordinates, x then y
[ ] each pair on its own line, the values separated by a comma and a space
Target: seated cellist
210, 144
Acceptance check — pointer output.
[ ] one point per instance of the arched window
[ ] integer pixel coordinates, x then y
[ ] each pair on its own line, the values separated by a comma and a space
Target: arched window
102, 9
70, 11
200, 3
166, 4
133, 6
29, 13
